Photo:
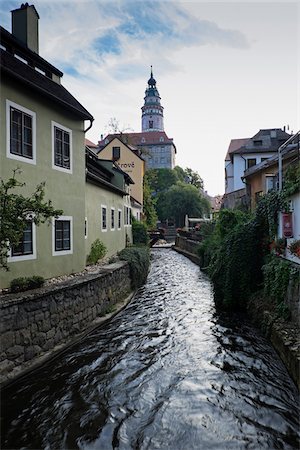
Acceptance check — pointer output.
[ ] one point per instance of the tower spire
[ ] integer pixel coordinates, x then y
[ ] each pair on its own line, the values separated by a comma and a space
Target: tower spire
152, 111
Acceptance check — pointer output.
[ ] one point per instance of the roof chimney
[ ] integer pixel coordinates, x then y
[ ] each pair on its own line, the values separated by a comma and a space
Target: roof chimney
25, 26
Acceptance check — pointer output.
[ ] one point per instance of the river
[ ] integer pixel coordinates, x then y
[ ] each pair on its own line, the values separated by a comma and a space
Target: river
168, 372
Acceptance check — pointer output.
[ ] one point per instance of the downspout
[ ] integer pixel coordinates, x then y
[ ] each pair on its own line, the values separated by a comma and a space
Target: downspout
90, 126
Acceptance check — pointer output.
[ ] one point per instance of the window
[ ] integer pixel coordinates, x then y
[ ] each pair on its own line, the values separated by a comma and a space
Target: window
161, 139
119, 219
61, 148
116, 153
257, 143
112, 218
26, 249
125, 216
62, 236
20, 128
251, 162
150, 123
270, 182
85, 228
104, 218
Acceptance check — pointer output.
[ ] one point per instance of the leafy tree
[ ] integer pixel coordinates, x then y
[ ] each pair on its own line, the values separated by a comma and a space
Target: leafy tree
183, 199
149, 208
16, 210
161, 180
192, 177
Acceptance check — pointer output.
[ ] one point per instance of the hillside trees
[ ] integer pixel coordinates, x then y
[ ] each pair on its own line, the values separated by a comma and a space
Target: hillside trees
176, 193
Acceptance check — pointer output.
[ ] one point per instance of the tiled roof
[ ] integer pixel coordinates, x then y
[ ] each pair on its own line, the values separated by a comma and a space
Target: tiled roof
90, 144
15, 69
235, 144
130, 147
140, 139
269, 143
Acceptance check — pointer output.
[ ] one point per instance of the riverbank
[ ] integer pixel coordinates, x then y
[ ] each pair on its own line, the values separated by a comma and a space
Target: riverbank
284, 335
38, 325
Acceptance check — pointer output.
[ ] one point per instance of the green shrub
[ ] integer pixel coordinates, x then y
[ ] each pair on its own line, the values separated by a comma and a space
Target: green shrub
139, 233
139, 262
98, 251
24, 284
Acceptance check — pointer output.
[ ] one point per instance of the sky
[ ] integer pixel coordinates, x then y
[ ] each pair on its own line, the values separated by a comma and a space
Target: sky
224, 70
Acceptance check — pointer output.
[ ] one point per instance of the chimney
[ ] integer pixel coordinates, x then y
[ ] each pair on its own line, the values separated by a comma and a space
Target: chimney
25, 26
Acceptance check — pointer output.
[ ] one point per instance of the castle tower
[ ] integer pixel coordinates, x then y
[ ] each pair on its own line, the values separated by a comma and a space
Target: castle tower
152, 111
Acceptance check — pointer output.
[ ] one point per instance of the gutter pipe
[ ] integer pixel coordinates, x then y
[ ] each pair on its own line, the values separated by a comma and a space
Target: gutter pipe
90, 126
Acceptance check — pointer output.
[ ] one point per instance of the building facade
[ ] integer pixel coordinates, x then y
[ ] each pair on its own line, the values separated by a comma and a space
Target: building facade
156, 148
107, 204
243, 154
42, 134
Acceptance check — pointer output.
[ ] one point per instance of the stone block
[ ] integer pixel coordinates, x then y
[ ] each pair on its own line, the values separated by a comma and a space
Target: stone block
31, 352
15, 351
45, 325
7, 365
50, 334
7, 340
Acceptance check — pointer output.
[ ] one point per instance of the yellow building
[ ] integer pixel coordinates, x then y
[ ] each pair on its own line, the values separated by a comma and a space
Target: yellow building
129, 160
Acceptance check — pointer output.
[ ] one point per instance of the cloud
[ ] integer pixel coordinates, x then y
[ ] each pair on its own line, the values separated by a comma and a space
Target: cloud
121, 37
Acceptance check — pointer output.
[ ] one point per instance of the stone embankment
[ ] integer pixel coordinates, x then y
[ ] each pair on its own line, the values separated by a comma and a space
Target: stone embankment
37, 324
284, 335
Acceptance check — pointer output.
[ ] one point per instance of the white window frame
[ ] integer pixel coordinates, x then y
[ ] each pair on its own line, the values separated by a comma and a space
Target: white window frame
112, 209
86, 228
16, 258
103, 229
10, 155
67, 130
119, 227
62, 252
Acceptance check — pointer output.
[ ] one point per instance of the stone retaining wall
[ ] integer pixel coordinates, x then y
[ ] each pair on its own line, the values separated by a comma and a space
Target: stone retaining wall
188, 248
36, 322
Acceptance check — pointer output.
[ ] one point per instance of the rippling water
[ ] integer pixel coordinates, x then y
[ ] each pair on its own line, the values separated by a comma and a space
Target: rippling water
166, 373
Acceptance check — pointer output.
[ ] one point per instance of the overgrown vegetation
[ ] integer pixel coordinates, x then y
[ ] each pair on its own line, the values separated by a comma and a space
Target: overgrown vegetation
25, 283
98, 251
16, 210
139, 233
277, 275
139, 261
234, 253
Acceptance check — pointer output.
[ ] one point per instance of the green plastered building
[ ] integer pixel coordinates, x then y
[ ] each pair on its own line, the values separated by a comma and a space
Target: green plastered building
108, 207
43, 134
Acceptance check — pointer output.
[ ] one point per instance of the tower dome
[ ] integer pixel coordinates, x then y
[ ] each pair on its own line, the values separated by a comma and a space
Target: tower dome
152, 111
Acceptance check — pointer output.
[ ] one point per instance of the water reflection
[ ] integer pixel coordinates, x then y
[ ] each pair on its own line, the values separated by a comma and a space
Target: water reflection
167, 373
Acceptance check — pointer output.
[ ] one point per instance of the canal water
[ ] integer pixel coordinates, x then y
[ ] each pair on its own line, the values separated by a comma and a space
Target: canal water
168, 372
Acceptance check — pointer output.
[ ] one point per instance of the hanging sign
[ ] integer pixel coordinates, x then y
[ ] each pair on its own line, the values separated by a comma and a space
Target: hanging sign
287, 225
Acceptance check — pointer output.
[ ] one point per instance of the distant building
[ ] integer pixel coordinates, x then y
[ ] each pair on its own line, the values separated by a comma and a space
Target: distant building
107, 204
243, 154
128, 159
156, 148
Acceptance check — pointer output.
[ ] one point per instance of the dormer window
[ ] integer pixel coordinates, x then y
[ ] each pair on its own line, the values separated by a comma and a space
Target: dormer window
143, 140
257, 143
161, 139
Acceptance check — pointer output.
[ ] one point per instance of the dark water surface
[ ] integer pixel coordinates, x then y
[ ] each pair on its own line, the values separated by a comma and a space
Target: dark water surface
167, 373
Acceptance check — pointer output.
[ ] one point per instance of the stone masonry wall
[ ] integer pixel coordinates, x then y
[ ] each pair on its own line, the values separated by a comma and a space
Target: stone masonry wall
35, 322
